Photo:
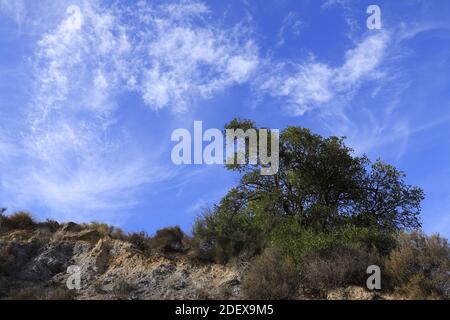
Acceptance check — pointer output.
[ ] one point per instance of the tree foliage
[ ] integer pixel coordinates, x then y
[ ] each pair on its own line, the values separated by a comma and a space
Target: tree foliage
321, 186
322, 183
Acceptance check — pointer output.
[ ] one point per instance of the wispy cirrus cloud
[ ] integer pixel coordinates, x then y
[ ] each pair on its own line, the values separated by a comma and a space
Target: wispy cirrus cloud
69, 161
184, 56
73, 154
307, 86
380, 120
291, 24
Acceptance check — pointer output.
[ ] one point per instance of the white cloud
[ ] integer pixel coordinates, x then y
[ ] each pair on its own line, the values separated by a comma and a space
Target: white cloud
183, 10
330, 3
240, 67
379, 120
291, 24
184, 60
382, 132
361, 61
67, 160
306, 86
69, 156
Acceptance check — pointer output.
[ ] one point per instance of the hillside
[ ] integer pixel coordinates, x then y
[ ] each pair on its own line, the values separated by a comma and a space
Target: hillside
35, 257
34, 265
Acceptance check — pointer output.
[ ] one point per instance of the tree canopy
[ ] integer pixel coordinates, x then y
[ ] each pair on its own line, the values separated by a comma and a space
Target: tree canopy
322, 183
323, 197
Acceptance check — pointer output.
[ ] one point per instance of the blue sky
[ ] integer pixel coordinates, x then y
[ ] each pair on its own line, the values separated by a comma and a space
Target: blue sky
90, 92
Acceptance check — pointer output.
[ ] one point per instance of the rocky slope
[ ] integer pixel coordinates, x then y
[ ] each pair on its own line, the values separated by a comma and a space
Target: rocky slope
34, 264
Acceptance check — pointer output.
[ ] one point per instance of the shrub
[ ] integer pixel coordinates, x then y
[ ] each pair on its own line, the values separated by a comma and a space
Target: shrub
222, 235
52, 225
140, 240
418, 287
103, 229
118, 234
200, 251
337, 267
370, 239
419, 267
18, 220
168, 240
165, 240
298, 242
270, 277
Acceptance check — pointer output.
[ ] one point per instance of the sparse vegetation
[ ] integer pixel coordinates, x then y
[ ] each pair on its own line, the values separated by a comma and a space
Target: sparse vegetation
336, 268
222, 235
271, 277
298, 243
17, 221
420, 267
52, 225
140, 240
168, 240
105, 230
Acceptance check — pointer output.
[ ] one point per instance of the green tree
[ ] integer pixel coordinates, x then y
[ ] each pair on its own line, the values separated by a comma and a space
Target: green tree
321, 185
386, 200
